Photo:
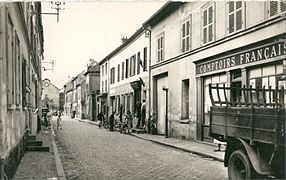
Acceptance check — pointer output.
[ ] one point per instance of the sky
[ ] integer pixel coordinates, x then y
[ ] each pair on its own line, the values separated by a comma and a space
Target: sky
88, 30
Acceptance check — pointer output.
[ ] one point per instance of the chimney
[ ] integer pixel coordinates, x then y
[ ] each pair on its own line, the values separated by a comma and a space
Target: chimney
124, 39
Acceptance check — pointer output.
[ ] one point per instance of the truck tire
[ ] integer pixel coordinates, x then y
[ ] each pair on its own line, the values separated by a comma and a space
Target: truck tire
239, 166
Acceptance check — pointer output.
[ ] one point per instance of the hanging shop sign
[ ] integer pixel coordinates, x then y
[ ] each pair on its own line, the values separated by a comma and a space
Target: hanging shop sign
258, 54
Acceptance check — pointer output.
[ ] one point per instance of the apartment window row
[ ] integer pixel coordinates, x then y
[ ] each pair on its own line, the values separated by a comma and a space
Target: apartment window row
131, 66
13, 66
235, 22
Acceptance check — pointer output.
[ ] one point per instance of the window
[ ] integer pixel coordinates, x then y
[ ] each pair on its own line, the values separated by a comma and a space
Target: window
127, 68
208, 24
118, 72
186, 35
276, 8
160, 47
122, 71
17, 71
268, 76
10, 60
102, 88
105, 85
132, 65
145, 59
185, 99
112, 75
24, 83
105, 68
139, 62
102, 70
235, 16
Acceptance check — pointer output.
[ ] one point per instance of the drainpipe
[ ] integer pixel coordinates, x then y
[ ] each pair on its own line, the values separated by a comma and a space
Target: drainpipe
148, 31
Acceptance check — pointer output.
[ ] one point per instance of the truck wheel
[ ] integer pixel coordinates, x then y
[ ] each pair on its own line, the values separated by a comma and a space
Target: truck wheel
239, 166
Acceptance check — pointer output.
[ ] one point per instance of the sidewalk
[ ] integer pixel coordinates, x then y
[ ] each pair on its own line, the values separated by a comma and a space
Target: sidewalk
200, 148
41, 165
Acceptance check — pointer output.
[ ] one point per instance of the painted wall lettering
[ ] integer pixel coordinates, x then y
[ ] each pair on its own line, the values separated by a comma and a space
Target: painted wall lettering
262, 53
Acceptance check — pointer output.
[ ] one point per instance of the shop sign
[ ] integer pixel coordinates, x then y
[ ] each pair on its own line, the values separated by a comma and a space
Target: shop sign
246, 57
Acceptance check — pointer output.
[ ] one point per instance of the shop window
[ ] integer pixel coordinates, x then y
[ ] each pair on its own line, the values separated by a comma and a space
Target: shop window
235, 16
145, 59
268, 78
208, 24
128, 103
122, 75
160, 47
236, 83
185, 99
186, 35
219, 80
276, 8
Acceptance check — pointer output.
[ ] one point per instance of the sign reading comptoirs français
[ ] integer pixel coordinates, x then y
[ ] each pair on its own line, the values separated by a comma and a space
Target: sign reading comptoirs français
262, 53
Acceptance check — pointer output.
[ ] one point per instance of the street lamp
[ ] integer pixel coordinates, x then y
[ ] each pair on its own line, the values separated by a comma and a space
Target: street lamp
164, 88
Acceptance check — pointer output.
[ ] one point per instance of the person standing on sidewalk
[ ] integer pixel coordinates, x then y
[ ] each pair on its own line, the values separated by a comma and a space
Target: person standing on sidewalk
111, 121
100, 119
143, 113
59, 121
129, 121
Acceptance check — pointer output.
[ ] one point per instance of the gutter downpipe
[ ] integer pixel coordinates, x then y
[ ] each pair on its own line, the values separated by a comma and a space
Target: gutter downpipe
149, 76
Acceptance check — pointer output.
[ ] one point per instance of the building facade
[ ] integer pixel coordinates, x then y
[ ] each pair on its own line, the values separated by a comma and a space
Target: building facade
198, 43
21, 53
68, 91
128, 75
92, 76
50, 96
103, 97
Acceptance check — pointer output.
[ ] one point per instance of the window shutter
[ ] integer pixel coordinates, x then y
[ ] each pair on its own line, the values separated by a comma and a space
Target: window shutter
283, 6
273, 8
231, 7
239, 19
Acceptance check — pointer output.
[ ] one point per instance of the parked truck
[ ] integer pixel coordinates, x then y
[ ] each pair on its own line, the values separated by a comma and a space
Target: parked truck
253, 125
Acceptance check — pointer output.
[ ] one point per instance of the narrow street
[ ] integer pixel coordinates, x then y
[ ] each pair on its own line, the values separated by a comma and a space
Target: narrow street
88, 152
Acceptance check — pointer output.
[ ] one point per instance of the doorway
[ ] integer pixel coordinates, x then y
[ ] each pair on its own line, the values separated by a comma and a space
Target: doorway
161, 104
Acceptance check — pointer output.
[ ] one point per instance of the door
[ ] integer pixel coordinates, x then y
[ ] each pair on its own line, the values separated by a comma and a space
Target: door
161, 104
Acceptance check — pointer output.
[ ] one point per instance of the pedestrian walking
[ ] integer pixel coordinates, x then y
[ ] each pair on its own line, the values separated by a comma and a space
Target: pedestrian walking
129, 121
59, 120
100, 119
111, 121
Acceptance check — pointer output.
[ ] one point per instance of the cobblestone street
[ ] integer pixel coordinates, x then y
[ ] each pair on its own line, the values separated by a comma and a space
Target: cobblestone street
88, 152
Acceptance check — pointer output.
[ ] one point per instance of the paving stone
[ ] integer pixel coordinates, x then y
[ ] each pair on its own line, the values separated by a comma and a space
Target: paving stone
88, 152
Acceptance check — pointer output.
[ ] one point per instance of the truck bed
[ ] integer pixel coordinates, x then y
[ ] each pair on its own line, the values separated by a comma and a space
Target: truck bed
266, 125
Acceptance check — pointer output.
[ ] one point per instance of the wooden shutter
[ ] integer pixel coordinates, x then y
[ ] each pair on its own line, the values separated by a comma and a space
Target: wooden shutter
273, 8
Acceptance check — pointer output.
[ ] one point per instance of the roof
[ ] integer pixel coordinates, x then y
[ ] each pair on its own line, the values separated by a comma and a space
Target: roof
168, 8
128, 41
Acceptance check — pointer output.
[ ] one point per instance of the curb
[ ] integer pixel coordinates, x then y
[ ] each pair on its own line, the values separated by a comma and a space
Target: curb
182, 149
60, 169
